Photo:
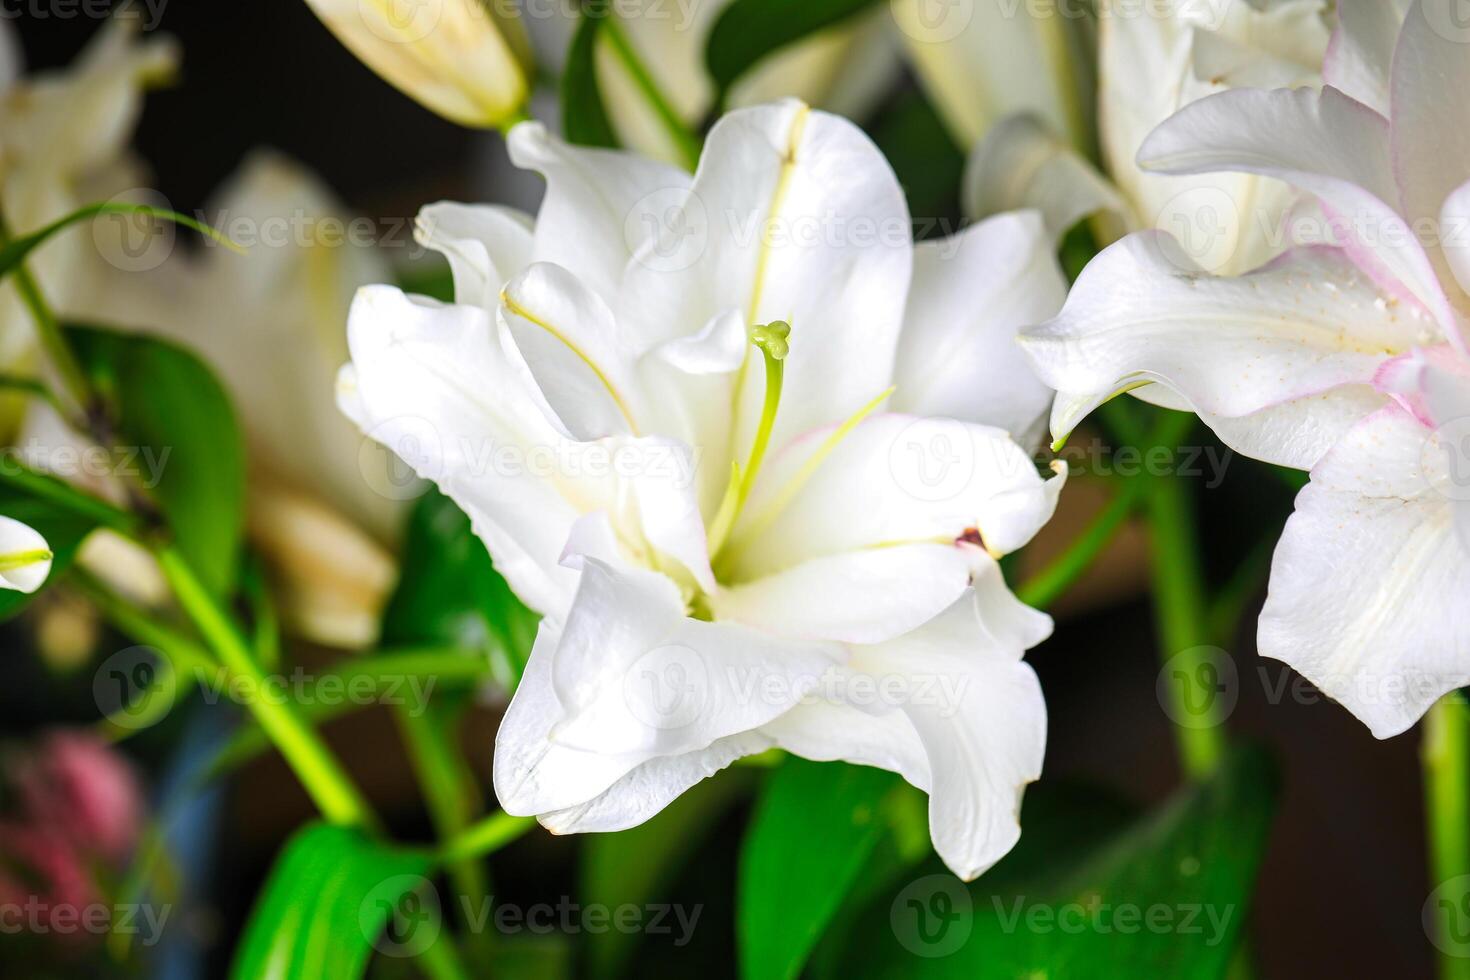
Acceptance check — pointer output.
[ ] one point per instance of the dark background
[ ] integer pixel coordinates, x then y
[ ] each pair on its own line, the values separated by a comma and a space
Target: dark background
1344, 880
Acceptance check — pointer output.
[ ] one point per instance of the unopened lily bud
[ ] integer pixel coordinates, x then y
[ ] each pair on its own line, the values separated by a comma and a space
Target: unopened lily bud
467, 60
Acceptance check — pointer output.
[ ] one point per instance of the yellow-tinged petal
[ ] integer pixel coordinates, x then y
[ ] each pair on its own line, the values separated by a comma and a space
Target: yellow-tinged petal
467, 60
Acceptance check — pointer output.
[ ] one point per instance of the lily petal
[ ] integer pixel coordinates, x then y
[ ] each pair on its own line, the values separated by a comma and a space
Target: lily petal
600, 205
794, 215
892, 480
1368, 583
634, 680
981, 719
1361, 54
856, 597
1306, 325
1022, 164
571, 344
650, 787
972, 294
485, 244
25, 557
1324, 143
1431, 130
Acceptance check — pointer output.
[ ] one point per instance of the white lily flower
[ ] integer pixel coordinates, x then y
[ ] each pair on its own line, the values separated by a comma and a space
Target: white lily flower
1154, 59
323, 508
1350, 362
844, 69
739, 441
63, 139
25, 557
466, 60
984, 60
979, 62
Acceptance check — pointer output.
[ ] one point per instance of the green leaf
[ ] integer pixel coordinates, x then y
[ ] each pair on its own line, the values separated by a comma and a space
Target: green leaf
175, 428
62, 528
327, 904
584, 116
1087, 893
928, 164
450, 593
749, 30
633, 866
14, 252
814, 829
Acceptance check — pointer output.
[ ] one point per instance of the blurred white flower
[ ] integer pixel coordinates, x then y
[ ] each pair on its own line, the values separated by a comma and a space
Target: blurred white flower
1350, 362
63, 144
1154, 59
467, 60
979, 61
25, 557
750, 452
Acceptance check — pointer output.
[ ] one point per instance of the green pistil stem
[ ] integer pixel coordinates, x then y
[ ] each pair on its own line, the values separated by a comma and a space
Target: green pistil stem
771, 340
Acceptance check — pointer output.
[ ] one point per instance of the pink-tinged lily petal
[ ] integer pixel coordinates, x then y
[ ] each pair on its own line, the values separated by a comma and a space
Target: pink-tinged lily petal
1324, 143
1308, 325
1368, 586
600, 206
485, 244
1361, 53
1431, 128
972, 293
1447, 398
1454, 236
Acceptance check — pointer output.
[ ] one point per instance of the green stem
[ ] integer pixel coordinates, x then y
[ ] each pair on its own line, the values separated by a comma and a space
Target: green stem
316, 767
53, 341
16, 474
448, 792
1445, 756
1049, 584
486, 837
685, 142
441, 960
33, 387
1182, 614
